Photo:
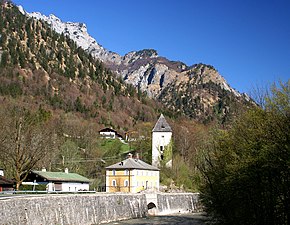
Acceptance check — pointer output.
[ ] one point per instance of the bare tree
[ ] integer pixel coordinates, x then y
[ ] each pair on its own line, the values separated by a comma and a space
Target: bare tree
24, 140
259, 93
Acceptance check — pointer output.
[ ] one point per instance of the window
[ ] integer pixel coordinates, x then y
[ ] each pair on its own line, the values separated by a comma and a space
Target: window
126, 172
114, 172
126, 183
114, 183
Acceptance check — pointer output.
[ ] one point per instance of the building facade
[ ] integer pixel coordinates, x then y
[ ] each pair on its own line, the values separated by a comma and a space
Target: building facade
161, 143
58, 181
132, 175
109, 133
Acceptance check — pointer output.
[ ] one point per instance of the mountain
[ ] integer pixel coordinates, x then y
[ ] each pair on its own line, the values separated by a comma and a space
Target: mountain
62, 65
69, 80
197, 91
40, 67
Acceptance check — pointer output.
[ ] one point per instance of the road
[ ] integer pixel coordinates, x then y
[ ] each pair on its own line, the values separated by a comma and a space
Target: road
186, 219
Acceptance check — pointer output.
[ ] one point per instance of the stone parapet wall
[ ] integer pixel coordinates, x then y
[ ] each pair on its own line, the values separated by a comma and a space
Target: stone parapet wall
72, 209
171, 203
87, 209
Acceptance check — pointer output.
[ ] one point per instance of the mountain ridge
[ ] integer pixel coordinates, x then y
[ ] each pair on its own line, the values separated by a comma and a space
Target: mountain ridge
158, 76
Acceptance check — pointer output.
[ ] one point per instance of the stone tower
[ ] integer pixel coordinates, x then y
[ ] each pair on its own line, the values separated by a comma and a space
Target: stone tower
161, 143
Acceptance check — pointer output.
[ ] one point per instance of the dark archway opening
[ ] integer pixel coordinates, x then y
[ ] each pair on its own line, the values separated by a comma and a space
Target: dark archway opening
151, 205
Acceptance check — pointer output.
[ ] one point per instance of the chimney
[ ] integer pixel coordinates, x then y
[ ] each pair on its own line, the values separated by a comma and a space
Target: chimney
137, 155
129, 155
66, 170
2, 172
43, 169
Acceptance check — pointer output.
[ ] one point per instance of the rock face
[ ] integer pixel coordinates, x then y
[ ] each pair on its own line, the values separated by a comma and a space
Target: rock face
192, 90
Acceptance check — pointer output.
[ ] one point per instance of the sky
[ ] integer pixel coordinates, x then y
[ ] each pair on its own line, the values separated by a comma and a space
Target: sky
247, 41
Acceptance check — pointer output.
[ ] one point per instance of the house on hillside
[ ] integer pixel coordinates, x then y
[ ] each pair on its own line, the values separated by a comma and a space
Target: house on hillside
58, 181
161, 140
131, 175
110, 133
5, 184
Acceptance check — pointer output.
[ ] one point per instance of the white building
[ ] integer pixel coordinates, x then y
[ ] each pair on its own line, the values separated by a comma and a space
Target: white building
161, 140
59, 181
110, 133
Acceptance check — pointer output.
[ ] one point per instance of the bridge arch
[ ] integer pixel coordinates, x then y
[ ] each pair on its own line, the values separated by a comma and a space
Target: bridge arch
151, 205
152, 209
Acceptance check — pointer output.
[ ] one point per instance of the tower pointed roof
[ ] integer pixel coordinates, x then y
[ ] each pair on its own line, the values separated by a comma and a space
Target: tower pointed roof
162, 125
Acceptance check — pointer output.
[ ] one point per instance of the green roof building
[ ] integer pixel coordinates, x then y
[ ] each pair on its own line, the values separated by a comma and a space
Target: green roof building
59, 181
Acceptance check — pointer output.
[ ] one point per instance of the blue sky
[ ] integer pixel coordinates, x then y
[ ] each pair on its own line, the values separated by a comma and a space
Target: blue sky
247, 41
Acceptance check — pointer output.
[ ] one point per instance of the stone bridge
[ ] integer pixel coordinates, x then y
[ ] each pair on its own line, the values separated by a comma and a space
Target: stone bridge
92, 208
170, 203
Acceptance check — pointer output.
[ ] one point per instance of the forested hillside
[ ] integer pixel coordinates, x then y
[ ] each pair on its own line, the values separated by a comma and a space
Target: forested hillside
43, 67
55, 97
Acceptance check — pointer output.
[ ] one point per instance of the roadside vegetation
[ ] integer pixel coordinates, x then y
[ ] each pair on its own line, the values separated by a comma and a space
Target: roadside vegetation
246, 169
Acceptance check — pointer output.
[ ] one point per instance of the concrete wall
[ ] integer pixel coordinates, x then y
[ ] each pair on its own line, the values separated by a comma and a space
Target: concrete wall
69, 187
89, 208
72, 209
171, 203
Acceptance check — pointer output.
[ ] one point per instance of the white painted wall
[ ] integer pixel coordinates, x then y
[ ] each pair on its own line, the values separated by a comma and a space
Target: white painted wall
72, 187
140, 176
159, 139
69, 187
109, 134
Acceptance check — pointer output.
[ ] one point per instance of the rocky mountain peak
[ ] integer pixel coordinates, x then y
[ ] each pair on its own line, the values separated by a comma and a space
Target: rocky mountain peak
146, 70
